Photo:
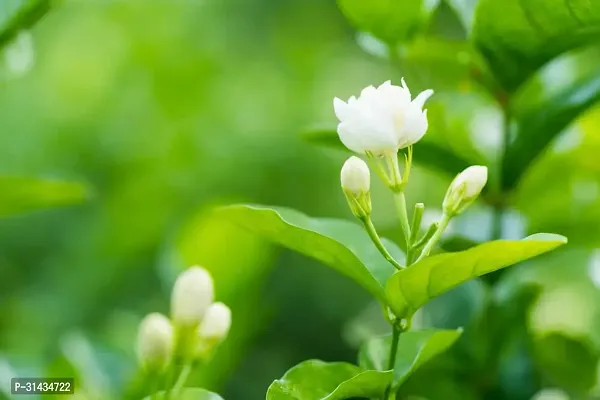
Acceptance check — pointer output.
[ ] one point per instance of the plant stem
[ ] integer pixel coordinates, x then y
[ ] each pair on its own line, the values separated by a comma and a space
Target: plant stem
377, 241
394, 348
436, 236
389, 393
400, 202
498, 207
183, 377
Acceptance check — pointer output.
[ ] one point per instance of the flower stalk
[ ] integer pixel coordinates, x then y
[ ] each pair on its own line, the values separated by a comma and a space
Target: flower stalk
370, 228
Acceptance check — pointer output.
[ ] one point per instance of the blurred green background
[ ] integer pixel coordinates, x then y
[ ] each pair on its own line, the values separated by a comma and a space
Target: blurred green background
165, 109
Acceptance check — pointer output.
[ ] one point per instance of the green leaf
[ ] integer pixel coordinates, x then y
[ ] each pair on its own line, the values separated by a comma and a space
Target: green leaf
18, 195
538, 127
517, 37
390, 21
342, 245
426, 153
319, 380
409, 289
415, 348
192, 394
16, 15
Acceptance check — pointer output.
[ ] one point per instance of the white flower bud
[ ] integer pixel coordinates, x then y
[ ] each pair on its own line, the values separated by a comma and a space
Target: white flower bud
355, 176
382, 120
213, 329
191, 296
155, 342
216, 322
464, 189
356, 183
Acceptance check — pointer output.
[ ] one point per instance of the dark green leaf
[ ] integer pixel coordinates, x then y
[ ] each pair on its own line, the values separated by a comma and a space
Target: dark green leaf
517, 37
426, 153
342, 245
19, 195
409, 289
390, 21
415, 348
540, 126
193, 394
16, 15
318, 380
567, 362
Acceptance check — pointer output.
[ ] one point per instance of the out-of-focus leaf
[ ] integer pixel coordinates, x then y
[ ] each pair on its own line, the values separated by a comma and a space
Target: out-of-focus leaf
18, 195
192, 394
465, 10
342, 245
537, 128
409, 289
426, 153
567, 362
415, 348
390, 21
16, 15
517, 37
318, 380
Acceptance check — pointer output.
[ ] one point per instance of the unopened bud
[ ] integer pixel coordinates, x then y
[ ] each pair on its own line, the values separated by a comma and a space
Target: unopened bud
464, 189
356, 184
155, 342
216, 322
191, 296
214, 328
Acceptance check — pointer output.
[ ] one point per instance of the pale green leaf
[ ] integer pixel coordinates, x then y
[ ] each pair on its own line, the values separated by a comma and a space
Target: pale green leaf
192, 394
517, 37
18, 195
342, 245
390, 21
319, 380
409, 289
415, 348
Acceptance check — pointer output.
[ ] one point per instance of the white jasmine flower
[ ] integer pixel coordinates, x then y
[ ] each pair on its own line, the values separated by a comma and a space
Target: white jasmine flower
464, 189
192, 295
355, 176
155, 342
382, 120
216, 322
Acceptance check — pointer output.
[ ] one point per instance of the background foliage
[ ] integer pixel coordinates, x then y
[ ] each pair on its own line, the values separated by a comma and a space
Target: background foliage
144, 115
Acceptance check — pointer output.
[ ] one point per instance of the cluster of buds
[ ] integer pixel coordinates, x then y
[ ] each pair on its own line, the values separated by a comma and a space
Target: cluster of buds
197, 324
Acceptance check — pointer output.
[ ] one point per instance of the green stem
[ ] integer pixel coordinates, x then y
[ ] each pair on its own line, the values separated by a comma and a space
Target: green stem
183, 377
498, 207
436, 236
377, 241
400, 202
389, 393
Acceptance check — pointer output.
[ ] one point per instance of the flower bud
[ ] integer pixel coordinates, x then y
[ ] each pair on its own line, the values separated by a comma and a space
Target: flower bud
216, 322
356, 183
464, 189
155, 342
191, 296
213, 329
